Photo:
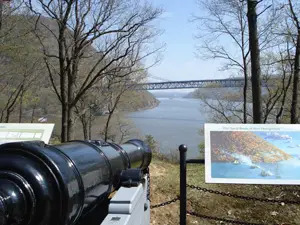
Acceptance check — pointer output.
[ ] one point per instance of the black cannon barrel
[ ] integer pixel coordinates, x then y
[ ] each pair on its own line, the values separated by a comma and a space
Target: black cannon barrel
56, 184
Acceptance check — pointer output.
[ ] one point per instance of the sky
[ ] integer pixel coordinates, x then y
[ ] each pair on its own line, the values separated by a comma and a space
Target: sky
287, 141
179, 60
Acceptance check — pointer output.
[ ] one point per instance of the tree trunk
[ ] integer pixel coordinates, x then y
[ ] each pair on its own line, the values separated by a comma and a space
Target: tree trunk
72, 74
255, 61
85, 132
245, 90
84, 127
107, 126
70, 124
7, 116
90, 124
9, 110
1, 14
245, 65
21, 107
32, 114
64, 122
63, 87
294, 110
285, 90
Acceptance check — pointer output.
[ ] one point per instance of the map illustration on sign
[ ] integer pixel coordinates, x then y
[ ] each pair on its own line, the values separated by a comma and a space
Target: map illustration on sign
15, 132
251, 153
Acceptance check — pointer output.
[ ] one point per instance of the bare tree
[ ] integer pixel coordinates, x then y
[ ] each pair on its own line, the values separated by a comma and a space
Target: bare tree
83, 111
113, 99
124, 129
296, 22
225, 32
17, 70
104, 98
226, 20
277, 73
115, 89
1, 13
255, 61
7, 9
88, 107
92, 38
225, 109
15, 91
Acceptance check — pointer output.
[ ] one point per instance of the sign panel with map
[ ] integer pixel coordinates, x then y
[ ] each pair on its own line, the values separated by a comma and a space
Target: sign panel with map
252, 153
15, 132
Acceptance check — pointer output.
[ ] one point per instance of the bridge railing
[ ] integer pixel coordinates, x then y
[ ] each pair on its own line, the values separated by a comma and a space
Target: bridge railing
219, 83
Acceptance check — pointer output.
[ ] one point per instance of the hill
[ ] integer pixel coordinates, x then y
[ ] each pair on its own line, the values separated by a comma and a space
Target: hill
226, 146
22, 58
228, 94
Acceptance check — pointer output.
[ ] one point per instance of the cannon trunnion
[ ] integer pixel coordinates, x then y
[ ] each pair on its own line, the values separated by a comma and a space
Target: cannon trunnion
58, 184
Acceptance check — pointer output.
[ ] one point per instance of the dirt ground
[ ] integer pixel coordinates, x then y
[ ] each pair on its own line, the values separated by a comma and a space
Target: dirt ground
165, 186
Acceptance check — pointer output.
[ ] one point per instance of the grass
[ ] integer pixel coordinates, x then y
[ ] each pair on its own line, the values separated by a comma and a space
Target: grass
165, 186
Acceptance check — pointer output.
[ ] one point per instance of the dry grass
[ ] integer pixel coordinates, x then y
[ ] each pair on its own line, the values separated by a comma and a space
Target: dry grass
165, 186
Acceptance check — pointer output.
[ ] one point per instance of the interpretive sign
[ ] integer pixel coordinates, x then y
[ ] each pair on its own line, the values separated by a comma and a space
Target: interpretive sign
14, 132
252, 153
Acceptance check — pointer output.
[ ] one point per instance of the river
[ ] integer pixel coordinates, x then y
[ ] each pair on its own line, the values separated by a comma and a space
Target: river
173, 122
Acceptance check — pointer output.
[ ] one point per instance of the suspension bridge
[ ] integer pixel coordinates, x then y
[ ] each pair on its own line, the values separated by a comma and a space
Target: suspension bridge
216, 83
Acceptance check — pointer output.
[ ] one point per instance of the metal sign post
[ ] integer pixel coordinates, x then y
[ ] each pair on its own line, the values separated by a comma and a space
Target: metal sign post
182, 150
183, 185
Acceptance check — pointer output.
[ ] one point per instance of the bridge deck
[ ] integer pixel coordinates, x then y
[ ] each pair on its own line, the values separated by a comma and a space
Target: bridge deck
218, 83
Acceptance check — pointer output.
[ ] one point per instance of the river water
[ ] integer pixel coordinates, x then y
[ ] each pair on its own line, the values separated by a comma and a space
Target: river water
284, 170
173, 122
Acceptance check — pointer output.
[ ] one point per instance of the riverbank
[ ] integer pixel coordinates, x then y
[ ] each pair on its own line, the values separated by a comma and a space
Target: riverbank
134, 101
165, 186
228, 94
120, 126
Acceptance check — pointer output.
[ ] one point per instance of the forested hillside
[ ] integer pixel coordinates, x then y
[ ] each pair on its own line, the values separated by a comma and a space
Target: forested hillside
30, 72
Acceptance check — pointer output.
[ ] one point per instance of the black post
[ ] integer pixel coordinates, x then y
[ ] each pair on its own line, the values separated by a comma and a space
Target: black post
182, 150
